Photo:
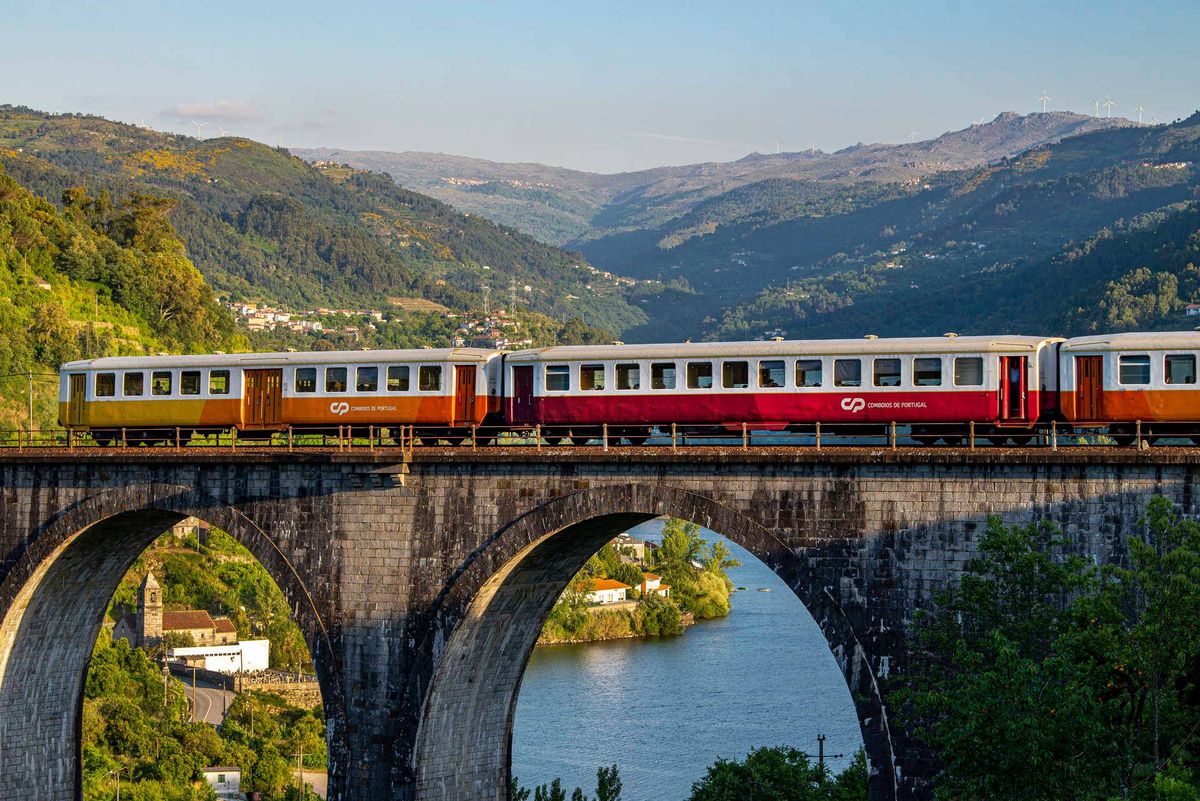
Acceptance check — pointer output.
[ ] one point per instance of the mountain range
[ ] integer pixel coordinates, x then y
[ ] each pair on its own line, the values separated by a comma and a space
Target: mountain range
913, 238
261, 224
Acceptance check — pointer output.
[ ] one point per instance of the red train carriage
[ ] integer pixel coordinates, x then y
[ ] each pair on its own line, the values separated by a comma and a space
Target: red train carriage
936, 385
442, 391
1131, 382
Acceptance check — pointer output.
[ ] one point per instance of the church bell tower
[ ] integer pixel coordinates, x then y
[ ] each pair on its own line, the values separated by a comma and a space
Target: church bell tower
150, 612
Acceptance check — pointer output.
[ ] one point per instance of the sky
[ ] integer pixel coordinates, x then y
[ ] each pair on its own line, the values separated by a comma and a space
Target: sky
603, 87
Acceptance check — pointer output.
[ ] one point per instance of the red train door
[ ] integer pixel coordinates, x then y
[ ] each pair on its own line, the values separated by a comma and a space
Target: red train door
522, 395
464, 394
1089, 392
262, 398
1012, 389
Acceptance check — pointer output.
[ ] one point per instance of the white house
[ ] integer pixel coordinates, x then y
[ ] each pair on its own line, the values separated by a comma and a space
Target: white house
652, 584
607, 591
225, 781
239, 657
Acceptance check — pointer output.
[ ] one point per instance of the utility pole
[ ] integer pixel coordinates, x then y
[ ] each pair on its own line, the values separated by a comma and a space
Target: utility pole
821, 738
300, 769
30, 375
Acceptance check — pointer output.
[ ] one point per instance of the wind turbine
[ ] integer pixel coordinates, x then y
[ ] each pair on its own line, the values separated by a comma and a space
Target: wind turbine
1140, 110
1045, 98
224, 132
1109, 102
1096, 107
198, 125
912, 135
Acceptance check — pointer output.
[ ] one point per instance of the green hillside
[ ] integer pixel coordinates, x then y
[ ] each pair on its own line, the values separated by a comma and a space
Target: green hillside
260, 223
1031, 241
96, 278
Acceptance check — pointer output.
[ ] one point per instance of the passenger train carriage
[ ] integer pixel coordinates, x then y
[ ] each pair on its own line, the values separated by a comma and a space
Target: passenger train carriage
1129, 381
997, 382
1004, 388
261, 392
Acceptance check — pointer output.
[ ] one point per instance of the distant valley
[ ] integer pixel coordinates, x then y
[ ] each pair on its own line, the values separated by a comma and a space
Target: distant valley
888, 239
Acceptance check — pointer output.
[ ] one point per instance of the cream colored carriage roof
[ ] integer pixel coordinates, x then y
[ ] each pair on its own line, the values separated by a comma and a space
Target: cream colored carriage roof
252, 360
1136, 340
797, 347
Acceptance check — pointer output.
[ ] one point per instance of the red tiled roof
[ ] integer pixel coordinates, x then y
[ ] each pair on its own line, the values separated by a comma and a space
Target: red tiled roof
224, 625
187, 620
651, 576
607, 584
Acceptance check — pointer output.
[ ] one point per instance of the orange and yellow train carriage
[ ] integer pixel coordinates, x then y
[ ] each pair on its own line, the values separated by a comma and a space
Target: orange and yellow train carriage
443, 391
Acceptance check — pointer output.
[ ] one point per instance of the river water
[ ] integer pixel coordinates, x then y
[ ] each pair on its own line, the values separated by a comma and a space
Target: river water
665, 709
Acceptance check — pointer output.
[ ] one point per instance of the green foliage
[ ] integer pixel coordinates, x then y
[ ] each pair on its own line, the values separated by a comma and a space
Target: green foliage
780, 774
694, 569
1042, 677
119, 284
259, 222
608, 788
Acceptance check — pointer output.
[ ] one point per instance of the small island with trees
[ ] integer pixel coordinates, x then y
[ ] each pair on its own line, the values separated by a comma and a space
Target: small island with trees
623, 592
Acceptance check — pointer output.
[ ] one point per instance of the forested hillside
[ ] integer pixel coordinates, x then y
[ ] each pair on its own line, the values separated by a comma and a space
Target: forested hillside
95, 278
260, 223
1093, 233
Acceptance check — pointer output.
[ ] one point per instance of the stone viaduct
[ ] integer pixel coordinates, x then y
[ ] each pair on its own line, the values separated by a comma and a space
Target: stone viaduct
421, 582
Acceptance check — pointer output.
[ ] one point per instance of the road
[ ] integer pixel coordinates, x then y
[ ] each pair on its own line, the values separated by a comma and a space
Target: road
211, 703
317, 780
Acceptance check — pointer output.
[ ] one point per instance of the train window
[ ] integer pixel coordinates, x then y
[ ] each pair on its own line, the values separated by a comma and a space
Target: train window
735, 375
887, 372
558, 378
968, 371
771, 374
218, 382
927, 372
335, 379
429, 378
1134, 369
397, 378
629, 376
366, 379
591, 376
847, 373
662, 375
1181, 368
306, 379
189, 382
699, 375
106, 385
808, 373
160, 383
134, 385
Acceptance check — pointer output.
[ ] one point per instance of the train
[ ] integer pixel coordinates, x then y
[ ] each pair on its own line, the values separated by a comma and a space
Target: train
1003, 389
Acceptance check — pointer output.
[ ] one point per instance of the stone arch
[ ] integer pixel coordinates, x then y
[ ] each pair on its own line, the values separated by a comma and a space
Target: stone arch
55, 596
490, 615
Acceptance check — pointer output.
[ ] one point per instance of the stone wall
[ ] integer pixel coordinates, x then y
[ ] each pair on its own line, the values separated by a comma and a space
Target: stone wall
420, 587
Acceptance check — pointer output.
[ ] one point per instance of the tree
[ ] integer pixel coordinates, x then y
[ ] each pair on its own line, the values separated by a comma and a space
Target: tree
1040, 677
779, 774
608, 784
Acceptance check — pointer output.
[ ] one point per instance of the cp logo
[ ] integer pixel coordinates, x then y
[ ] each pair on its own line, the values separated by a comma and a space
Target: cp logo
339, 408
853, 404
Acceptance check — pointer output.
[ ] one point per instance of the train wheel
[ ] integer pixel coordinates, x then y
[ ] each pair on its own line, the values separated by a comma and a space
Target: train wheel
925, 439
554, 441
579, 441
1021, 441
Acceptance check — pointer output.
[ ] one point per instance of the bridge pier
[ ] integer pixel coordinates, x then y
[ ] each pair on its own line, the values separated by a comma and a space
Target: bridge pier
420, 586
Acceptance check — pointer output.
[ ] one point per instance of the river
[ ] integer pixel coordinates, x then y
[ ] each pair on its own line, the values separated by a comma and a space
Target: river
665, 709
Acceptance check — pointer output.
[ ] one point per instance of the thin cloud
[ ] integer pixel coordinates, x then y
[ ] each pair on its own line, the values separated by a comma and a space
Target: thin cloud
222, 110
689, 140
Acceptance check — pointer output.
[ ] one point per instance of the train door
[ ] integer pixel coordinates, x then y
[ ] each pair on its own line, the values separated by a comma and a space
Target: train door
1089, 387
1012, 389
522, 395
78, 399
262, 398
464, 393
